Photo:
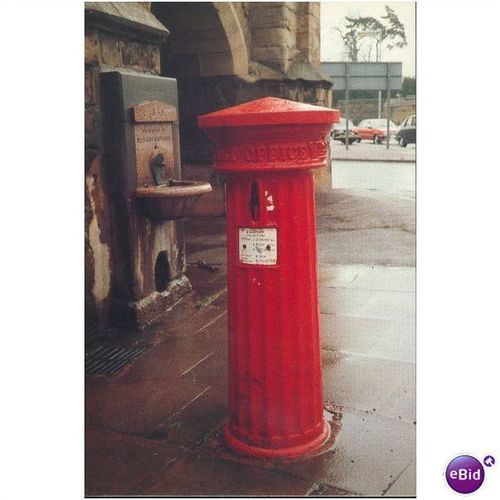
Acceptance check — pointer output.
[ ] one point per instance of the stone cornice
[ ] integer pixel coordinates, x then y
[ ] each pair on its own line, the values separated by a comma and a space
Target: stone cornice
128, 20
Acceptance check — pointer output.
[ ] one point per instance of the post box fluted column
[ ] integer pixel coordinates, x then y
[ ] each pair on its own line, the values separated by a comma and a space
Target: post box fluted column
267, 150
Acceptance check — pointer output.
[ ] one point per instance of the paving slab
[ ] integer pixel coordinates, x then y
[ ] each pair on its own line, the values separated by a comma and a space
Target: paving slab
214, 255
137, 408
205, 230
371, 451
361, 209
379, 246
194, 320
213, 370
343, 302
405, 485
120, 464
338, 276
323, 490
209, 476
214, 331
210, 409
206, 283
372, 337
391, 178
176, 355
395, 279
381, 386
390, 305
206, 240
195, 421
367, 277
381, 304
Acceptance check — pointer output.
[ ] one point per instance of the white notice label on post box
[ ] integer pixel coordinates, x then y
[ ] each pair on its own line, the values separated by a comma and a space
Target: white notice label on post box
258, 246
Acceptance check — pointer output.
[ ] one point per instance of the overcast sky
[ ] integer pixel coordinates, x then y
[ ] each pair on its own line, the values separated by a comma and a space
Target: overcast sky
333, 16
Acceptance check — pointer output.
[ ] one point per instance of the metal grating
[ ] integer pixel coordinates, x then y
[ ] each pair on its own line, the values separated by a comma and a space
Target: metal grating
105, 359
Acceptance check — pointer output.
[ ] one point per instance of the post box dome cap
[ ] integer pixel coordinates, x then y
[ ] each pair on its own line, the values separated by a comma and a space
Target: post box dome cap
269, 111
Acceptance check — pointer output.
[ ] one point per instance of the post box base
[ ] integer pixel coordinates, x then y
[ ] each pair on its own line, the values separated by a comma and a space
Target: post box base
294, 451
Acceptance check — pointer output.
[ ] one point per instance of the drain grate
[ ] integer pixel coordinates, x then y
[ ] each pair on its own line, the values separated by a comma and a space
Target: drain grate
105, 359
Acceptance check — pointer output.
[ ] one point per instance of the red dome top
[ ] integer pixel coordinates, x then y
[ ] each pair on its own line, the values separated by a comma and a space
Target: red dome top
269, 111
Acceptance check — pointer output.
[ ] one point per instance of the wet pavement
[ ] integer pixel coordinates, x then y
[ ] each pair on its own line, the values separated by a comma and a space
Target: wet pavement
396, 178
154, 428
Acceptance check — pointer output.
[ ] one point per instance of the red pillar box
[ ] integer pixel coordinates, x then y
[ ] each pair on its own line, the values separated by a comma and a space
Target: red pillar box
267, 150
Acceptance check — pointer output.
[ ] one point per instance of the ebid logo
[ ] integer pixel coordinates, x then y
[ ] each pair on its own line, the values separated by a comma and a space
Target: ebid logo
465, 474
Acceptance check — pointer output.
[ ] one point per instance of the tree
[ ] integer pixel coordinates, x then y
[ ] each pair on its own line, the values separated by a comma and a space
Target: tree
409, 86
350, 39
389, 30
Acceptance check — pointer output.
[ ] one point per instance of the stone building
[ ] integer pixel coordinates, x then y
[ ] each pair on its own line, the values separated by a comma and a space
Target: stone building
221, 54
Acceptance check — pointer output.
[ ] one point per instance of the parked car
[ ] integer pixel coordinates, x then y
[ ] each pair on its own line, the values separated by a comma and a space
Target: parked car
407, 133
339, 132
374, 129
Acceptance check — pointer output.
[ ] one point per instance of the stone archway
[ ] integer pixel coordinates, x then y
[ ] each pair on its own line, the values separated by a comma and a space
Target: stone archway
206, 38
226, 53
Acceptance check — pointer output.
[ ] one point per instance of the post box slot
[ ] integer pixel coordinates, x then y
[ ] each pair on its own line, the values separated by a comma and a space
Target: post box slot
254, 202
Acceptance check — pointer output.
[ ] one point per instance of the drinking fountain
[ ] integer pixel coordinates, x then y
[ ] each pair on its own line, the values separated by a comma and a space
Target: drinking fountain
169, 199
149, 201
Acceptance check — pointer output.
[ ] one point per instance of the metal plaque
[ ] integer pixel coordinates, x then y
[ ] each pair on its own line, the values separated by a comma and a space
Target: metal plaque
151, 139
153, 135
154, 111
258, 246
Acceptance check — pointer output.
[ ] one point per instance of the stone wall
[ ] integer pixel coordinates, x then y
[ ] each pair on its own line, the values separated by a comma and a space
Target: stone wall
274, 33
281, 31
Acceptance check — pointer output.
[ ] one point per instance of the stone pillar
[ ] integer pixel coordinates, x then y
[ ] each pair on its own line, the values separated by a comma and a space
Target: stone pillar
117, 36
274, 29
308, 31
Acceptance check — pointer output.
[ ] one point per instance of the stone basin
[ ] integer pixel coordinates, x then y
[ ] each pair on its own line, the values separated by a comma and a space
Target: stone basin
175, 199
